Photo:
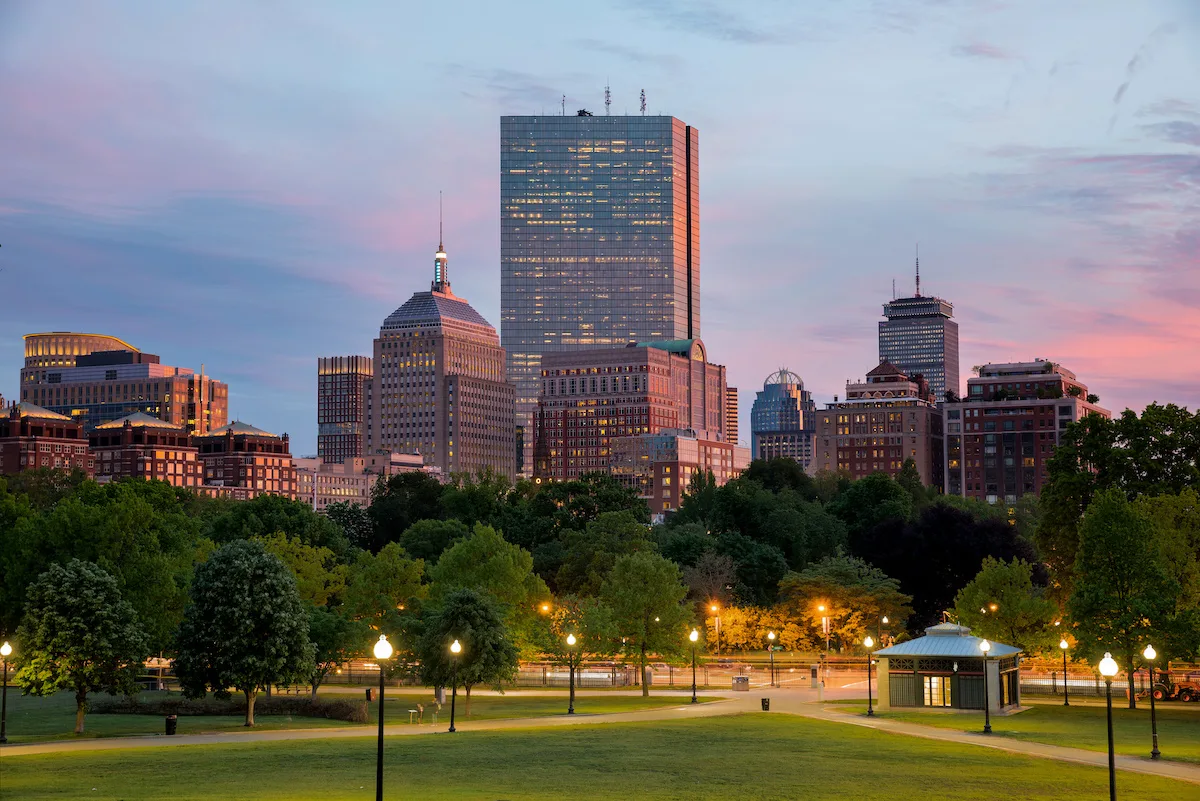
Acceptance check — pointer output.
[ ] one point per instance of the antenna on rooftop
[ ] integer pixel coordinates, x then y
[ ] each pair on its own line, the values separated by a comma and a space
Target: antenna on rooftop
607, 98
564, 105
643, 102
918, 269
440, 240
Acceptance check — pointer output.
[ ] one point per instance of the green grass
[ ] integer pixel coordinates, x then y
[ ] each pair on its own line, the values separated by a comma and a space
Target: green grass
759, 756
38, 719
1080, 726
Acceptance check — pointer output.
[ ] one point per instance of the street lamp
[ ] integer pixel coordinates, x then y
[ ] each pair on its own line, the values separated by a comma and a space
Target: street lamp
986, 646
695, 635
5, 653
383, 652
1064, 645
1108, 669
824, 626
771, 648
716, 613
868, 643
455, 650
571, 666
883, 621
1150, 654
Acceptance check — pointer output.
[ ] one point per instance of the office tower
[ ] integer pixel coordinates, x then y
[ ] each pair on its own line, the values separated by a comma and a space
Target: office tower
343, 394
920, 338
590, 398
32, 437
141, 446
782, 420
884, 421
243, 462
439, 386
599, 238
1000, 435
95, 379
731, 415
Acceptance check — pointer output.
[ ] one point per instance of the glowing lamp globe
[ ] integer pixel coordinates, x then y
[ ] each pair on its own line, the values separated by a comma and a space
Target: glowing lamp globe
771, 636
383, 648
1108, 666
869, 642
1063, 644
985, 646
885, 620
570, 639
695, 635
455, 647
1150, 653
5, 650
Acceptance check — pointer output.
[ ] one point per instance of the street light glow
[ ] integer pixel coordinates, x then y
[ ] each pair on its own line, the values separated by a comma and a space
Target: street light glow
985, 646
885, 620
1063, 644
545, 607
570, 639
771, 636
869, 642
695, 635
821, 607
383, 648
713, 607
455, 647
6, 649
1150, 653
1108, 666
993, 607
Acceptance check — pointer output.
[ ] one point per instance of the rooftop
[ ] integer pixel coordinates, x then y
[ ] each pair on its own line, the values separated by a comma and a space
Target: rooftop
27, 409
947, 639
238, 427
433, 308
138, 420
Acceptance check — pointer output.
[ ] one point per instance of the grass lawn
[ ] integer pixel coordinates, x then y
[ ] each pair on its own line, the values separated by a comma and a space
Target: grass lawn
37, 719
1081, 726
758, 756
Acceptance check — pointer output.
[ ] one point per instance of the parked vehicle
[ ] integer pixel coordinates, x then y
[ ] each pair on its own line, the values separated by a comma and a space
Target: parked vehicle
1165, 688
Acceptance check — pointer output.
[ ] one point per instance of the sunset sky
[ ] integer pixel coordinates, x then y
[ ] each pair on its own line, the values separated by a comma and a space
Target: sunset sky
251, 185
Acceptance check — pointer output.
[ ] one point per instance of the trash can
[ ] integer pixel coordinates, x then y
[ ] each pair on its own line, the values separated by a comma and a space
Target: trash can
813, 676
741, 684
370, 694
172, 723
766, 704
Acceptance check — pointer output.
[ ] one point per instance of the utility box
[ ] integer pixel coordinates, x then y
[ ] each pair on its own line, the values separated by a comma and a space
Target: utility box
814, 681
741, 684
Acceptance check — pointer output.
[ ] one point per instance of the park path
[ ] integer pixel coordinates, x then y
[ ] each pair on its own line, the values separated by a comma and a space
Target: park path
793, 702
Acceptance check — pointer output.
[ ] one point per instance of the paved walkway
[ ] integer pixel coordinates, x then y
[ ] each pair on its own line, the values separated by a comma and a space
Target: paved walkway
792, 702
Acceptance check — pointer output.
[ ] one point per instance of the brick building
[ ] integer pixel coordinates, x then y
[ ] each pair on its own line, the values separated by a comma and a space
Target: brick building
141, 446
660, 466
343, 398
883, 421
999, 437
32, 437
242, 461
590, 398
319, 483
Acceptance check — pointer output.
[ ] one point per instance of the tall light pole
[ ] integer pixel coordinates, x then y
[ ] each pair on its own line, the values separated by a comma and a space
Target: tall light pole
716, 610
383, 652
695, 635
771, 648
5, 653
1150, 654
883, 621
455, 650
1108, 668
868, 643
986, 646
1064, 645
571, 667
824, 626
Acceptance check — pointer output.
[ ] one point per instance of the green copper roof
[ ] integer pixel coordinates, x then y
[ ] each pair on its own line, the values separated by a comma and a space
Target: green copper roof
680, 346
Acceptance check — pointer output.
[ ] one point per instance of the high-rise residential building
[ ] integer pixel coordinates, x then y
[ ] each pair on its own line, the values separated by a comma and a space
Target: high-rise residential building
782, 422
590, 398
1001, 434
884, 421
920, 337
439, 385
343, 395
32, 437
96, 379
141, 446
599, 238
660, 466
242, 462
731, 415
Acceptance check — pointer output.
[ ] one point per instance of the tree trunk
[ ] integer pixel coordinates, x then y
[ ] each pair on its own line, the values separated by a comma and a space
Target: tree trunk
467, 687
81, 706
642, 667
1132, 687
251, 694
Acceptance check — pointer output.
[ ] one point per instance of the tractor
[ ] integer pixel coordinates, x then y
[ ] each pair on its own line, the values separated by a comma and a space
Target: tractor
1165, 689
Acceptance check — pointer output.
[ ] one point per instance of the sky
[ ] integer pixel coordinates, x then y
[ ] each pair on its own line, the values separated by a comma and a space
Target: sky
251, 185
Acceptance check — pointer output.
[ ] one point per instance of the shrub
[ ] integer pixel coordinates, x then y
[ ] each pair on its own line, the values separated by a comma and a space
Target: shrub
351, 711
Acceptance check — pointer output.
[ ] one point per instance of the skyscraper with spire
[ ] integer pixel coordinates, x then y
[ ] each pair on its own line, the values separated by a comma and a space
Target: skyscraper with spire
920, 337
439, 386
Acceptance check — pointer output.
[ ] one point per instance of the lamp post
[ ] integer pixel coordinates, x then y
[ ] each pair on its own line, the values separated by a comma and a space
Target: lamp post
455, 650
883, 621
771, 648
383, 652
571, 667
1108, 669
868, 643
1064, 645
5, 653
1150, 654
716, 610
695, 635
986, 646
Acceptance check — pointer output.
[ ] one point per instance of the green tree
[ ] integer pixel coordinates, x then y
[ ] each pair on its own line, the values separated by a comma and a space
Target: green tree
336, 639
699, 504
571, 504
683, 544
354, 521
645, 593
79, 635
399, 501
712, 578
909, 479
427, 539
477, 499
776, 475
588, 619
1122, 594
1002, 604
319, 575
590, 554
246, 627
488, 655
265, 515
382, 589
870, 501
855, 596
759, 567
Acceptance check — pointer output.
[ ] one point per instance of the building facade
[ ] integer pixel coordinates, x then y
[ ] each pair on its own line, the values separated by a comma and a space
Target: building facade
599, 238
241, 461
319, 483
343, 395
141, 446
731, 415
1000, 436
32, 437
783, 420
883, 422
660, 466
920, 337
590, 398
439, 385
64, 374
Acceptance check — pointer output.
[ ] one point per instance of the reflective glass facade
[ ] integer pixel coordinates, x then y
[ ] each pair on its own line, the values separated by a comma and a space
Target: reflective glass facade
782, 420
920, 337
600, 238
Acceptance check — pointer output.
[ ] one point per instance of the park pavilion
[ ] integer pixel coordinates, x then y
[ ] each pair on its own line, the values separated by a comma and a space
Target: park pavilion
945, 668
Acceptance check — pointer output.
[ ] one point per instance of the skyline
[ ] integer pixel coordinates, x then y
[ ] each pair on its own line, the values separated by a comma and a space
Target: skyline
252, 190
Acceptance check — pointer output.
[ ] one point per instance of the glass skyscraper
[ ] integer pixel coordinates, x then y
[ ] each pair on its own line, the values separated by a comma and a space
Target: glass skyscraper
783, 420
919, 336
599, 238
